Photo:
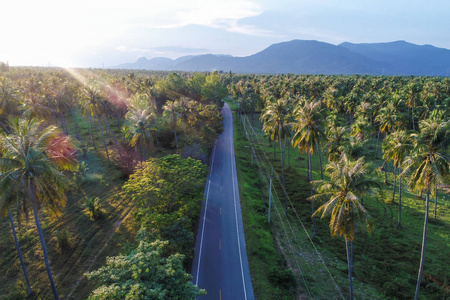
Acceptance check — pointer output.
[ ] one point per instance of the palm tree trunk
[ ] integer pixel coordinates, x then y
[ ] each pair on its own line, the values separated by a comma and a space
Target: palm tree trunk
378, 139
320, 160
282, 177
312, 192
385, 172
3, 126
350, 267
41, 237
395, 182
289, 153
274, 154
75, 123
118, 121
103, 136
22, 263
110, 130
142, 152
435, 201
176, 139
424, 242
63, 123
400, 200
156, 132
90, 130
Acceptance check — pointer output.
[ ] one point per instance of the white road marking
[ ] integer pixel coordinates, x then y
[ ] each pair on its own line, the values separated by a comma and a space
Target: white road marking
204, 217
235, 213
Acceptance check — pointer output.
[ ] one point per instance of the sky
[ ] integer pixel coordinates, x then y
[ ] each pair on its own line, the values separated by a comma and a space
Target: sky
105, 33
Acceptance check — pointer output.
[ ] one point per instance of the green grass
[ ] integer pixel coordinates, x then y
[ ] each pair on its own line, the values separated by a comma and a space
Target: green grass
385, 262
270, 277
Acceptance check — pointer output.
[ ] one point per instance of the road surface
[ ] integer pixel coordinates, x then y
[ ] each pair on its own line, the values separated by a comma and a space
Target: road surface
220, 265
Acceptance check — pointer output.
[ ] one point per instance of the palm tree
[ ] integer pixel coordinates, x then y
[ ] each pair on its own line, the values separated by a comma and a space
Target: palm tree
172, 113
395, 147
411, 93
336, 137
430, 167
29, 167
342, 193
360, 129
137, 130
9, 98
307, 134
275, 118
186, 111
390, 120
93, 106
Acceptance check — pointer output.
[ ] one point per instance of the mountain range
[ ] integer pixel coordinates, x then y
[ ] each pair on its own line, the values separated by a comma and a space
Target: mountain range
314, 57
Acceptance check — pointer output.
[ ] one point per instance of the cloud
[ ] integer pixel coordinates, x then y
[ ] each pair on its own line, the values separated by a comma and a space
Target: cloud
219, 14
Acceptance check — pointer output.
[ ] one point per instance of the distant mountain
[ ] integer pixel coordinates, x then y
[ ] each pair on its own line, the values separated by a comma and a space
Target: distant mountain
402, 58
313, 57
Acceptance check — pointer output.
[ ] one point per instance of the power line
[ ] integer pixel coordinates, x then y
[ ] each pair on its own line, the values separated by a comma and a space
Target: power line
264, 165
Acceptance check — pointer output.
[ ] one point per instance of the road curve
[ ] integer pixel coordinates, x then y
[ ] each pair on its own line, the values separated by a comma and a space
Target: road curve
220, 264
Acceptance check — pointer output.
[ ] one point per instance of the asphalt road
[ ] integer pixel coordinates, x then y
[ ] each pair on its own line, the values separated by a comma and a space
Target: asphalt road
220, 265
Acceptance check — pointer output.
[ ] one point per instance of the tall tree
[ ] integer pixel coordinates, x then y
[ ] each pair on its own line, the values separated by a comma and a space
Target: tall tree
390, 119
172, 114
30, 162
308, 132
430, 167
93, 106
137, 130
9, 99
342, 193
275, 117
396, 147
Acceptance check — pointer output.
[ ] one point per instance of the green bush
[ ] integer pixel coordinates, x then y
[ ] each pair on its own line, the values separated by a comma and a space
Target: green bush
62, 239
93, 206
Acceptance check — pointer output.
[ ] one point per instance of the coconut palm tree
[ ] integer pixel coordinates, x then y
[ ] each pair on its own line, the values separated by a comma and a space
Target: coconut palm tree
430, 167
390, 120
308, 132
93, 106
172, 113
186, 111
342, 193
275, 118
336, 137
29, 167
9, 98
411, 92
136, 129
395, 147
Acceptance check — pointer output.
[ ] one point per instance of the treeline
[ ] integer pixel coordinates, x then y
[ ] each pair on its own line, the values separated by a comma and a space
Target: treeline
155, 128
356, 120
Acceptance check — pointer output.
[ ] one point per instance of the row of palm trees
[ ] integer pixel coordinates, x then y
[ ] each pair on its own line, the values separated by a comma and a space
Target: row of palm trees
301, 120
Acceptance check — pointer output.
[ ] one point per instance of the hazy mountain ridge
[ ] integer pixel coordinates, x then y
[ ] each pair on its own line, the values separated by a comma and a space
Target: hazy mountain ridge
314, 57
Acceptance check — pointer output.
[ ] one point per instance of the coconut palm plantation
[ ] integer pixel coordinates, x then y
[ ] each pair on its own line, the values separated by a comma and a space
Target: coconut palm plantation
103, 174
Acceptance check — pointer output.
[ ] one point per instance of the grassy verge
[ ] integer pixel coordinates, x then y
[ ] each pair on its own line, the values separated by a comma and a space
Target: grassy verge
271, 278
